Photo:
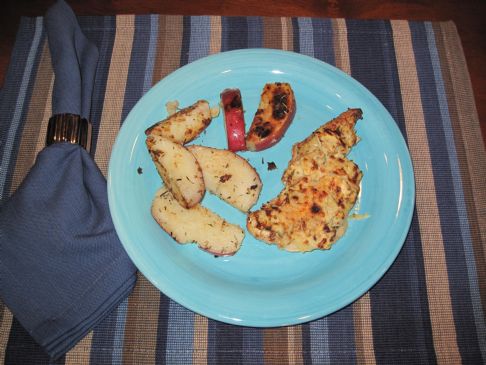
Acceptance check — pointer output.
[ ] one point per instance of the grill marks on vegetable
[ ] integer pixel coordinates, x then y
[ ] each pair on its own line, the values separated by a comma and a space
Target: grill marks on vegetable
280, 108
273, 116
236, 102
264, 129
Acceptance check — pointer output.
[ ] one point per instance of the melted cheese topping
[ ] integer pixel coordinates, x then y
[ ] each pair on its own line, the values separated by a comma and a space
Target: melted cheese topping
321, 187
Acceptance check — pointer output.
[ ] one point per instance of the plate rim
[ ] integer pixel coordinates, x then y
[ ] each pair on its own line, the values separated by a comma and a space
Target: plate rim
349, 297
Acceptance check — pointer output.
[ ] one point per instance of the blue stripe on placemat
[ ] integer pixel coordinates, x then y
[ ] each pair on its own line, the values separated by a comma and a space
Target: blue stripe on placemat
253, 346
225, 343
306, 36
458, 192
104, 40
137, 69
118, 339
394, 300
306, 343
234, 33
10, 137
373, 64
319, 341
295, 34
180, 335
255, 32
413, 256
149, 69
402, 330
211, 343
199, 38
446, 202
342, 348
186, 39
323, 40
163, 319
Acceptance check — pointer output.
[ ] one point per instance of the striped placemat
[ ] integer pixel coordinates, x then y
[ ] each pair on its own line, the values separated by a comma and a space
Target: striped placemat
428, 308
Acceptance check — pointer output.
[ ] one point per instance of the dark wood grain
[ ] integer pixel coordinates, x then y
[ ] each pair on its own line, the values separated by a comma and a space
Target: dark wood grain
469, 17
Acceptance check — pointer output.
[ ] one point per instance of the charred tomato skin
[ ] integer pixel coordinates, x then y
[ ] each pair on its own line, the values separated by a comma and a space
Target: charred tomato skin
273, 117
234, 119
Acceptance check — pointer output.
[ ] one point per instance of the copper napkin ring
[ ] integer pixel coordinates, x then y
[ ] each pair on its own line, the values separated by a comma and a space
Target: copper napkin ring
69, 128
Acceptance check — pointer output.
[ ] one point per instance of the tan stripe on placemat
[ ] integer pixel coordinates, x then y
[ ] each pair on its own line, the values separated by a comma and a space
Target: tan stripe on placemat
44, 122
443, 328
363, 331
275, 346
272, 32
141, 324
80, 354
363, 326
38, 114
215, 36
5, 326
115, 90
200, 342
287, 34
340, 40
168, 57
159, 55
468, 146
294, 338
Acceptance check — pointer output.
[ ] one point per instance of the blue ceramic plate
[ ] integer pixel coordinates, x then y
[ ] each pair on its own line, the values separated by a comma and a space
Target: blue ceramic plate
262, 285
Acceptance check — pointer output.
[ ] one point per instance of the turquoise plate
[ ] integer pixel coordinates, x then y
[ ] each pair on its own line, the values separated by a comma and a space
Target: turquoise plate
262, 285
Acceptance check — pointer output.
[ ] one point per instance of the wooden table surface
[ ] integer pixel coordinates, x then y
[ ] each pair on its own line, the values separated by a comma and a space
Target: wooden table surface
468, 15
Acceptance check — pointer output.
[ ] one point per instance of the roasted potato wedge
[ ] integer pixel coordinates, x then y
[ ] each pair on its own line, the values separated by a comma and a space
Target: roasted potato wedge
197, 224
228, 176
179, 170
185, 125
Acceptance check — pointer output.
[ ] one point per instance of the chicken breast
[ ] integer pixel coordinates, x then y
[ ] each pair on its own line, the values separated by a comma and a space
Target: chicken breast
321, 187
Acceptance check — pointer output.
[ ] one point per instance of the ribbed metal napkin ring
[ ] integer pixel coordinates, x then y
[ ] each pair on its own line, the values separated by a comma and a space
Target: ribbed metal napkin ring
69, 128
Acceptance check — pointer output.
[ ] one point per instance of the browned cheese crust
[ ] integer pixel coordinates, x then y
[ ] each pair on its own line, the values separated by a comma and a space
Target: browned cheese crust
321, 187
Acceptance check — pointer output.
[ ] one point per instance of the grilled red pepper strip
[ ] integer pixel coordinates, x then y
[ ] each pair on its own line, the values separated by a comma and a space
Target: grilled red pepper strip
234, 119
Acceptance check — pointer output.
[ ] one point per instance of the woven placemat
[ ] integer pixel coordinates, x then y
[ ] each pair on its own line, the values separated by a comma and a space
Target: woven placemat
428, 308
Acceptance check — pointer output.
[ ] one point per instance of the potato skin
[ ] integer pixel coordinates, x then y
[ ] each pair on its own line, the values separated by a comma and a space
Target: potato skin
179, 170
185, 125
228, 176
198, 224
273, 117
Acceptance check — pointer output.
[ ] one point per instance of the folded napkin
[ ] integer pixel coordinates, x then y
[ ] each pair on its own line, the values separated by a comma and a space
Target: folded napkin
62, 266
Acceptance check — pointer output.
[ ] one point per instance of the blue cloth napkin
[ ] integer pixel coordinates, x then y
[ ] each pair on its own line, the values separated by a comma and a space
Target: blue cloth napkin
62, 266
74, 60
